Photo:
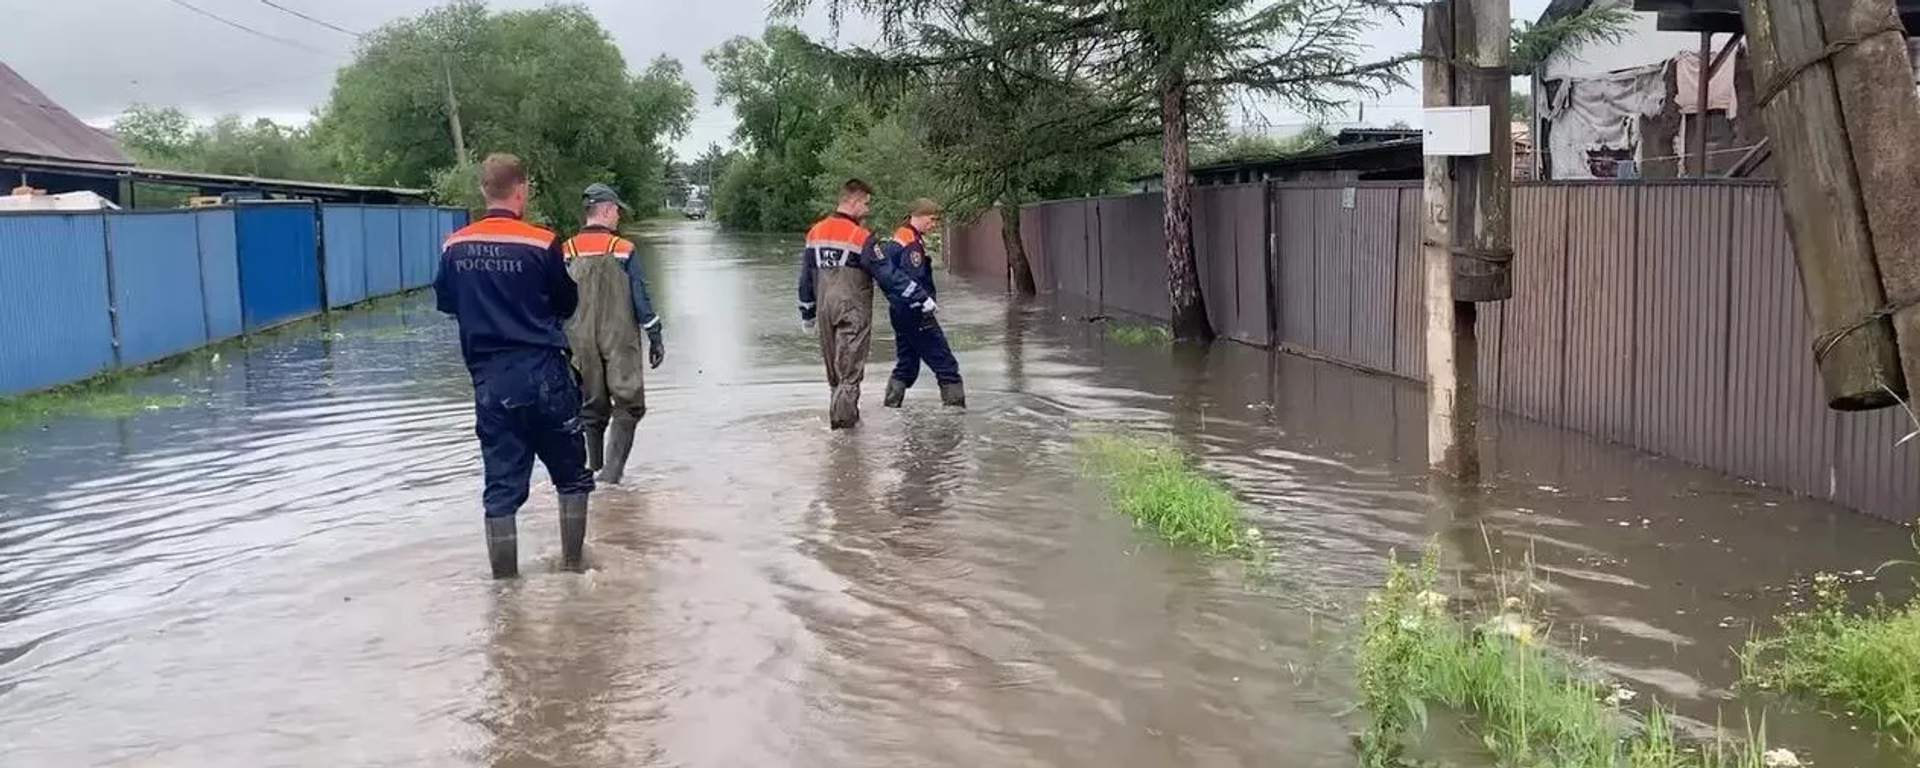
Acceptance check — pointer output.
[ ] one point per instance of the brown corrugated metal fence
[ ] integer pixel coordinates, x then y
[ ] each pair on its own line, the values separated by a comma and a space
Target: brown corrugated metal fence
1663, 316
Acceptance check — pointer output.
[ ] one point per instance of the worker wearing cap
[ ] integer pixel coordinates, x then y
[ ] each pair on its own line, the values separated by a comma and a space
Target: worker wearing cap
506, 285
917, 337
605, 334
839, 266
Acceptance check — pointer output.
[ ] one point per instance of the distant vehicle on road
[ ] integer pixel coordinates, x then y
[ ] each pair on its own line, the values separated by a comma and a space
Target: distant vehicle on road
695, 210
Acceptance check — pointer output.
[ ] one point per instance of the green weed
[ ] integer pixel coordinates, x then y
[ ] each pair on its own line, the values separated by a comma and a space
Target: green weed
1867, 662
1153, 483
1528, 704
102, 397
1140, 335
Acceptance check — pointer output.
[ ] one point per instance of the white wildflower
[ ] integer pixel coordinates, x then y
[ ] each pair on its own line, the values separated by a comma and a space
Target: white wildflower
1512, 603
1431, 600
1620, 695
1780, 758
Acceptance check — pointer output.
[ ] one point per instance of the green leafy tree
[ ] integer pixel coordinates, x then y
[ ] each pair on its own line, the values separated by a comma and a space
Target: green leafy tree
158, 136
548, 85
788, 113
887, 156
165, 137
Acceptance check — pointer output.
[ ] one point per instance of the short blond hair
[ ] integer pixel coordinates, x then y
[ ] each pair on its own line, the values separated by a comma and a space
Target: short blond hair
499, 174
923, 207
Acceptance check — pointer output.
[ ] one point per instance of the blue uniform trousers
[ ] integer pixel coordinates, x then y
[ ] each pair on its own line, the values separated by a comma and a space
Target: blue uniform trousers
917, 339
527, 404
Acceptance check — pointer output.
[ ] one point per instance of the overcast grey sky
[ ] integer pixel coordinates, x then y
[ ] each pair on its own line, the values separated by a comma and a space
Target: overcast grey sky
96, 57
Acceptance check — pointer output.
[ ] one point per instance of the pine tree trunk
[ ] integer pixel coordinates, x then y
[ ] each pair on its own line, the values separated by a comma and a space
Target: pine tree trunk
1019, 270
1189, 318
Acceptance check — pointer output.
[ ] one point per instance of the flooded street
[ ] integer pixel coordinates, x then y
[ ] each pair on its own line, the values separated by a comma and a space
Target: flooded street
291, 572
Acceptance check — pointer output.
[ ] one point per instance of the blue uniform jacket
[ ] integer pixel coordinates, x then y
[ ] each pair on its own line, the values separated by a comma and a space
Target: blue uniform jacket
907, 252
505, 282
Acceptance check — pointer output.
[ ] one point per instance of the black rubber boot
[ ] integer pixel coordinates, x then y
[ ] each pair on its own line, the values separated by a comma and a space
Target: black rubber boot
619, 444
503, 547
573, 530
896, 393
596, 448
954, 394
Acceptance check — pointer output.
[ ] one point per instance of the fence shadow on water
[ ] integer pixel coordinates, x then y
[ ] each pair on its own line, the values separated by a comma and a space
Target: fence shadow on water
88, 293
1666, 317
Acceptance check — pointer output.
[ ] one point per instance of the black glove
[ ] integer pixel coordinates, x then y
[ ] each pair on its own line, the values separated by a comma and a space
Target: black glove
656, 350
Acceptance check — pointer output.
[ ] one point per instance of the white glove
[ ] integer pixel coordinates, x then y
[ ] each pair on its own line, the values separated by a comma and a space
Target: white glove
808, 326
928, 306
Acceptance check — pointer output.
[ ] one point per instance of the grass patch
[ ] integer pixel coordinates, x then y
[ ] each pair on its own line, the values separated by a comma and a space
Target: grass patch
1528, 704
1866, 661
101, 397
1140, 335
1154, 484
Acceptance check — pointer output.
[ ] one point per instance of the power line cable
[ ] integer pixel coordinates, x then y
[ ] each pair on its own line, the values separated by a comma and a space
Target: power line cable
298, 14
247, 29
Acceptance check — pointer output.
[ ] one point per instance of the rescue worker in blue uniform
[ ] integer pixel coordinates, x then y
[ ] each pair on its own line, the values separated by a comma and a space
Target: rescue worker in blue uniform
505, 283
615, 309
838, 268
917, 337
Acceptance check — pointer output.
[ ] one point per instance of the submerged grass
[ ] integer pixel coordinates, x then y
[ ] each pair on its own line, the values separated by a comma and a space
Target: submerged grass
1140, 335
1529, 704
1153, 483
1866, 661
101, 397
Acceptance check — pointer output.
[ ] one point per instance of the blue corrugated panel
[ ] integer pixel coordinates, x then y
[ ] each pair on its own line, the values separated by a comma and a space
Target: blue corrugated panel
343, 229
219, 273
383, 251
156, 284
54, 326
279, 262
418, 245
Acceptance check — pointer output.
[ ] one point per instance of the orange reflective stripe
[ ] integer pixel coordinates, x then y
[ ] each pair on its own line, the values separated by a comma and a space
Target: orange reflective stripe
839, 229
906, 236
501, 230
596, 243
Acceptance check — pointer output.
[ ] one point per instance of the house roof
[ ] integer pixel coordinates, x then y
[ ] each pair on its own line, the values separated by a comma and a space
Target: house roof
1720, 15
32, 124
323, 190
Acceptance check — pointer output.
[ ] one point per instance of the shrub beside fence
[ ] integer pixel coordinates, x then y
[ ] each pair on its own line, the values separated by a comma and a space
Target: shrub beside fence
85, 293
1668, 317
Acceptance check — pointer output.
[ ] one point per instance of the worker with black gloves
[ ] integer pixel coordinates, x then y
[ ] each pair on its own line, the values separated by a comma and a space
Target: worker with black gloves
917, 337
838, 268
605, 334
505, 283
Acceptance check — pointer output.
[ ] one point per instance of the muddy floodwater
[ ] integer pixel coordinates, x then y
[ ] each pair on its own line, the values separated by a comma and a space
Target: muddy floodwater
290, 571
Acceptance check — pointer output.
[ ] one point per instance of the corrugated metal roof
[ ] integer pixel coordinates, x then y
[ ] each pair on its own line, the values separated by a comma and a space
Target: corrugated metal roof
31, 124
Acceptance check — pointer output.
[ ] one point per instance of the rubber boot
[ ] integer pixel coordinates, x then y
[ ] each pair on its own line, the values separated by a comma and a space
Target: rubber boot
503, 547
596, 447
896, 393
619, 444
954, 394
573, 530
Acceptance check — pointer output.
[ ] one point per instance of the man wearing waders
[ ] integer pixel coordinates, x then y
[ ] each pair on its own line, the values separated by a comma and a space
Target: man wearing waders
838, 267
917, 337
605, 333
505, 283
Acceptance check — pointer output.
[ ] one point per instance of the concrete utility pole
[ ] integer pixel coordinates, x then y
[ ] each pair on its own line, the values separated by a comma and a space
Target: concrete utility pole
1836, 94
453, 115
1469, 228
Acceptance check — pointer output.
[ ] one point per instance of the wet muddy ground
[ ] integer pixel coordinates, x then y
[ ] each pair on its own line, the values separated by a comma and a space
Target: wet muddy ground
290, 572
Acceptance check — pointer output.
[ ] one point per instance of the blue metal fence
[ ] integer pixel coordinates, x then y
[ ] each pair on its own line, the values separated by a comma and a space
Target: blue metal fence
279, 263
175, 280
383, 251
155, 262
220, 273
419, 248
54, 321
343, 232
